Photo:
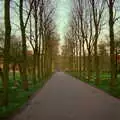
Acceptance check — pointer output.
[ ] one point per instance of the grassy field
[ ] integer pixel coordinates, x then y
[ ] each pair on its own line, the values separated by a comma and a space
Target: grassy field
104, 82
17, 96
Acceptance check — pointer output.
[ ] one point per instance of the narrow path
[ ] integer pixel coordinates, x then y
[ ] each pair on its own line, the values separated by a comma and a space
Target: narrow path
66, 98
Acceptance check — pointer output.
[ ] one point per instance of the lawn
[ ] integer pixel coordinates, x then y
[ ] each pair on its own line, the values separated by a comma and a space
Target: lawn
17, 96
104, 82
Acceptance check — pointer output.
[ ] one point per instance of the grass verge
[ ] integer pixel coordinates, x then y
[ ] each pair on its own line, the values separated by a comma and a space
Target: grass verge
18, 97
104, 83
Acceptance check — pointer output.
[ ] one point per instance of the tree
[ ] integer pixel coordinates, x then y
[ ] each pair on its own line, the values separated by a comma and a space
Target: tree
97, 12
23, 26
43, 31
2, 35
112, 43
6, 49
35, 10
86, 27
24, 64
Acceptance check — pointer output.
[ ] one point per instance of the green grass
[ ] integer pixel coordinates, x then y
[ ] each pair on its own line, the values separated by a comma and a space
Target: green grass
104, 83
17, 96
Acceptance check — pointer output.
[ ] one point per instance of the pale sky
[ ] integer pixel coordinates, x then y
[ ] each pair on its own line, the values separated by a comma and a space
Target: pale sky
63, 11
63, 16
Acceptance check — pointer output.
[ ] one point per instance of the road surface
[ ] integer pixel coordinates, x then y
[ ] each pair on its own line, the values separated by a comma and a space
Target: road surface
66, 98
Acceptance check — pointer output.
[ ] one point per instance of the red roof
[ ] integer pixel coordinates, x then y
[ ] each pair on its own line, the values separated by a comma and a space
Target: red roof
118, 58
29, 52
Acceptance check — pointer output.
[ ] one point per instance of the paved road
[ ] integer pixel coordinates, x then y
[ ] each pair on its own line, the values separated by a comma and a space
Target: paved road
66, 98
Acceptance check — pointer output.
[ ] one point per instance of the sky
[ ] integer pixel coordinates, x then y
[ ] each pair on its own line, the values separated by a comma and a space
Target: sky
63, 16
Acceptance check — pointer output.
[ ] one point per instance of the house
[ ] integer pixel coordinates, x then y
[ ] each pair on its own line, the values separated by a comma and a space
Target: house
29, 52
118, 59
1, 59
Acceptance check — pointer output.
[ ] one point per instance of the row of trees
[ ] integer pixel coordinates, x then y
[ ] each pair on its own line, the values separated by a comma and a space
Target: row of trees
82, 40
37, 31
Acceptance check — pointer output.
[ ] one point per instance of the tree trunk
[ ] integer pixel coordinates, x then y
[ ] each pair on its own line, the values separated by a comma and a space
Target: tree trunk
38, 64
89, 65
13, 70
97, 80
112, 45
84, 57
20, 70
1, 76
6, 50
36, 42
24, 48
80, 58
39, 53
42, 65
34, 67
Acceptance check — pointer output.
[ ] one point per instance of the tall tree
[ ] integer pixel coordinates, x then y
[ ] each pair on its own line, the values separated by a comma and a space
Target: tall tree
36, 40
97, 12
23, 26
112, 43
24, 48
6, 49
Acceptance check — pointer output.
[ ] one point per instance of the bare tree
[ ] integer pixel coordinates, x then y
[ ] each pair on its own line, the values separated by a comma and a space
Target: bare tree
23, 26
97, 12
6, 49
112, 42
